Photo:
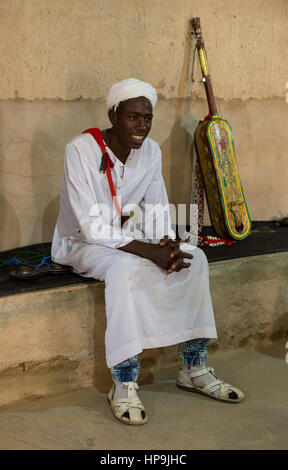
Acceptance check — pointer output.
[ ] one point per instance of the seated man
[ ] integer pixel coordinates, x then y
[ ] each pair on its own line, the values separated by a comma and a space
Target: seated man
153, 297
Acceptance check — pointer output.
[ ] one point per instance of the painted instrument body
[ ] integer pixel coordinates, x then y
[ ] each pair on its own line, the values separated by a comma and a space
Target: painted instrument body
216, 154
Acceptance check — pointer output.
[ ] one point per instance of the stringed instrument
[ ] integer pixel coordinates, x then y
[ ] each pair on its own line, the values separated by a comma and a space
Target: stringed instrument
216, 155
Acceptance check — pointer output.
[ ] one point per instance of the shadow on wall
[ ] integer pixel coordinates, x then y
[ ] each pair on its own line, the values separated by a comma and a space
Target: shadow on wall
45, 159
50, 218
9, 220
180, 144
60, 122
9, 225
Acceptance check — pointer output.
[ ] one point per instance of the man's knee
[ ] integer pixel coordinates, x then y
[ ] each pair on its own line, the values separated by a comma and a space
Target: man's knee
123, 266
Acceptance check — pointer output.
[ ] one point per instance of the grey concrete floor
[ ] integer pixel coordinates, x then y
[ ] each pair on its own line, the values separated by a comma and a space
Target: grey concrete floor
178, 420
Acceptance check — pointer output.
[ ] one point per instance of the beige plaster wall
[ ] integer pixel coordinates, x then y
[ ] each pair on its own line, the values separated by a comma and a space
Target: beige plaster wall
77, 48
59, 57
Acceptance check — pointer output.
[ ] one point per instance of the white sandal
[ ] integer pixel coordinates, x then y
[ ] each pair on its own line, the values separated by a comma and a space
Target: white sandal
128, 410
185, 382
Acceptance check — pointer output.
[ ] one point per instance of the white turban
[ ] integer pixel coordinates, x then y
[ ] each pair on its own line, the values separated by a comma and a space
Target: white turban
130, 88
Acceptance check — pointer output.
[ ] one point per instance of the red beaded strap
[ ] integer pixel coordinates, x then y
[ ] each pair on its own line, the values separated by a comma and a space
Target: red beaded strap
106, 164
97, 134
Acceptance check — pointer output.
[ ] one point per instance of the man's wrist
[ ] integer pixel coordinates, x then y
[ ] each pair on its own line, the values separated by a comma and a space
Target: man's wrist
136, 247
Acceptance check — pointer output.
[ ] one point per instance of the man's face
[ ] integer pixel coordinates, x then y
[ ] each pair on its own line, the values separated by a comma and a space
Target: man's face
132, 121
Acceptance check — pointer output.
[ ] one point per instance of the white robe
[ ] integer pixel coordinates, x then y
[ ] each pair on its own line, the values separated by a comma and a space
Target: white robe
145, 308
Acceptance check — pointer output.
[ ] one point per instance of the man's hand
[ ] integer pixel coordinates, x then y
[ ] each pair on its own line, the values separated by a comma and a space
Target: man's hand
166, 254
176, 254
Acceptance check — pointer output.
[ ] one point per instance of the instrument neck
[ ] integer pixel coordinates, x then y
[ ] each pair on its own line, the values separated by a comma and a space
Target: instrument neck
206, 79
210, 96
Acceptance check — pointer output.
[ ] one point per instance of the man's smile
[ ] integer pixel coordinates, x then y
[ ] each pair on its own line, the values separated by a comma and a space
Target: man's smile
137, 139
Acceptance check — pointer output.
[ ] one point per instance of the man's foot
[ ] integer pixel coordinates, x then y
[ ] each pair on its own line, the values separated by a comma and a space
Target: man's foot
203, 380
125, 404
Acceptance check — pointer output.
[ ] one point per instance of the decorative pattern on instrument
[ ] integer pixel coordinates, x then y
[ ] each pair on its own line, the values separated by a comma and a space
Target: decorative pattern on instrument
226, 203
219, 135
210, 184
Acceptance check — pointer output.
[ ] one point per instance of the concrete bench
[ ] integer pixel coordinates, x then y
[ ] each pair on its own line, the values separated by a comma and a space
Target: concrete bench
53, 340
